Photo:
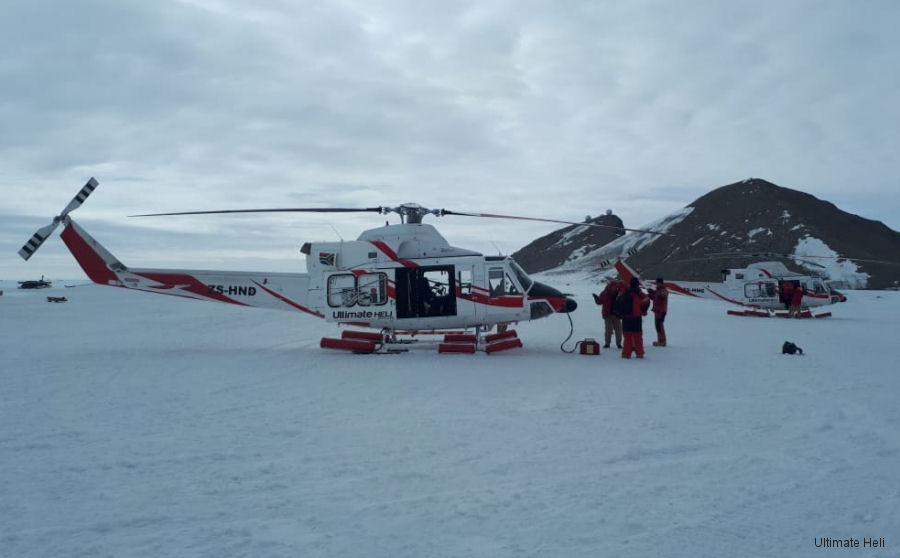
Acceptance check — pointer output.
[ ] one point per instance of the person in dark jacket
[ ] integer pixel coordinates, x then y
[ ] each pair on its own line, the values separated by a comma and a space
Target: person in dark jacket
632, 318
660, 298
611, 321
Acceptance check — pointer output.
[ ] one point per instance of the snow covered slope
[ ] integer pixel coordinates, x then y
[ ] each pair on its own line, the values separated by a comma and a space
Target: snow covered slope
142, 425
745, 222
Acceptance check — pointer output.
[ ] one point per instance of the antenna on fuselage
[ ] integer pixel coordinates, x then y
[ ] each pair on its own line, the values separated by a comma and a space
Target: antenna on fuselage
336, 232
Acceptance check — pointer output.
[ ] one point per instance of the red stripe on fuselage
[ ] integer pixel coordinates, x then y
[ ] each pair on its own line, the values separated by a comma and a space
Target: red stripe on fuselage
726, 299
505, 301
289, 301
381, 245
187, 283
679, 290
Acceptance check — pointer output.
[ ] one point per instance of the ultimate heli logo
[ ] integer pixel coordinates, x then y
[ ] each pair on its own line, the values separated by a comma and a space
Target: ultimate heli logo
326, 258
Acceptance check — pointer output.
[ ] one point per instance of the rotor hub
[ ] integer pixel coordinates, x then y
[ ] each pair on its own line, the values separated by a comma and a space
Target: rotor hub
412, 213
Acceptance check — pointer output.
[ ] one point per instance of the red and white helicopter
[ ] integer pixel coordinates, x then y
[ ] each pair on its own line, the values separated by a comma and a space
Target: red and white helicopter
402, 278
757, 288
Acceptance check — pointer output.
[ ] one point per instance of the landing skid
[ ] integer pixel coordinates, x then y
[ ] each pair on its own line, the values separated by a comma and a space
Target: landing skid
770, 314
392, 342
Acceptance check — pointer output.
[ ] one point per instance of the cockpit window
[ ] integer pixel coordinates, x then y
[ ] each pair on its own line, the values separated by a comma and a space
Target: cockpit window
496, 281
501, 282
523, 277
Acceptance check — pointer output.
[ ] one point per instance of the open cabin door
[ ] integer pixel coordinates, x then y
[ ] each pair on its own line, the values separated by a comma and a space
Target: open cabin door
426, 292
470, 288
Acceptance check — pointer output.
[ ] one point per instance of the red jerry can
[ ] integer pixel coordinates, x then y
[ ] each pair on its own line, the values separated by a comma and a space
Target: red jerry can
589, 347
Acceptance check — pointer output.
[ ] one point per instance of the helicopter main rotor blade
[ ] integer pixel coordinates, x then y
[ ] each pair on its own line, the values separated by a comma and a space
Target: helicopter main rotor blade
541, 219
743, 255
272, 210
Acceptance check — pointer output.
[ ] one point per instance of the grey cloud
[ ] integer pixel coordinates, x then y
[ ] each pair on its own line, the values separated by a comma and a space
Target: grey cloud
521, 107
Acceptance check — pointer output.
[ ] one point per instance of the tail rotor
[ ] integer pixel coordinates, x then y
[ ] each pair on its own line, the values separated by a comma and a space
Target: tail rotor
43, 233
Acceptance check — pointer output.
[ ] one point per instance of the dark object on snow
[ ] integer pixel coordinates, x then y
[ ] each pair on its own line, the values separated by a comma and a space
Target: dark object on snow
56, 299
789, 349
35, 284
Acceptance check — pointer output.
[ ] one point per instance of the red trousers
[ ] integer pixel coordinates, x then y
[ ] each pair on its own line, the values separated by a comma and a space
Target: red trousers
634, 341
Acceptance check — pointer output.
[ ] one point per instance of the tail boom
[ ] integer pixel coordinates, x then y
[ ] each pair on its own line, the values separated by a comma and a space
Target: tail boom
279, 291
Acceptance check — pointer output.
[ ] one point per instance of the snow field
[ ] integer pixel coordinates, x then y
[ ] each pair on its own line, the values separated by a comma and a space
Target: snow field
142, 425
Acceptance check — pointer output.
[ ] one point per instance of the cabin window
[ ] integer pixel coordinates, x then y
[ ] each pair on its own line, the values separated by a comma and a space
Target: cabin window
759, 290
371, 289
345, 289
342, 290
751, 290
464, 281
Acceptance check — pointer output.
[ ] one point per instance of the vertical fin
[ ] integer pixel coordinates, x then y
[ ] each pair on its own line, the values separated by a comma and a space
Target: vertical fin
625, 271
96, 261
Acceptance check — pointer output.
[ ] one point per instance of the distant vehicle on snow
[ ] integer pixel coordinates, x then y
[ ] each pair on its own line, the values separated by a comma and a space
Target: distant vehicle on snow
35, 284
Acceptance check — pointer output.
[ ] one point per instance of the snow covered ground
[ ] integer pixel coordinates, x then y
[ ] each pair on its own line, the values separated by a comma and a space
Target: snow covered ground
141, 425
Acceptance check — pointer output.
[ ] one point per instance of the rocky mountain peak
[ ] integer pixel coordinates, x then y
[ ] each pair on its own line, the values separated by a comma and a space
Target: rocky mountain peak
569, 244
734, 225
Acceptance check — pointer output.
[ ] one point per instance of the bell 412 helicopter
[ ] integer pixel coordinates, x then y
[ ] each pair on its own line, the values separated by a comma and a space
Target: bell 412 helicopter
757, 288
402, 280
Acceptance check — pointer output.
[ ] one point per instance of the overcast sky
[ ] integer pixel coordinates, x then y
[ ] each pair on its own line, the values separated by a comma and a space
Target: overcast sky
548, 109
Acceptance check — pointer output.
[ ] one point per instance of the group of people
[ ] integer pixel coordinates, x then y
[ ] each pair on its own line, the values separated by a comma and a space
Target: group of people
623, 308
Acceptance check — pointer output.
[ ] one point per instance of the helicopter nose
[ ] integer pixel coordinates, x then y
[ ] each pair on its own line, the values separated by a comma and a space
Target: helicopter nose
560, 302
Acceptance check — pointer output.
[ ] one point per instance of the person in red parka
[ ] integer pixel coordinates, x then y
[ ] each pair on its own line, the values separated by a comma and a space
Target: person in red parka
796, 301
660, 298
787, 292
633, 306
612, 323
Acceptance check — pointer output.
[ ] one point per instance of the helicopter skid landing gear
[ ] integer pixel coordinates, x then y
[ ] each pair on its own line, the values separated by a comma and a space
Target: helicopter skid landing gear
386, 341
503, 345
754, 313
491, 343
352, 345
803, 314
762, 314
